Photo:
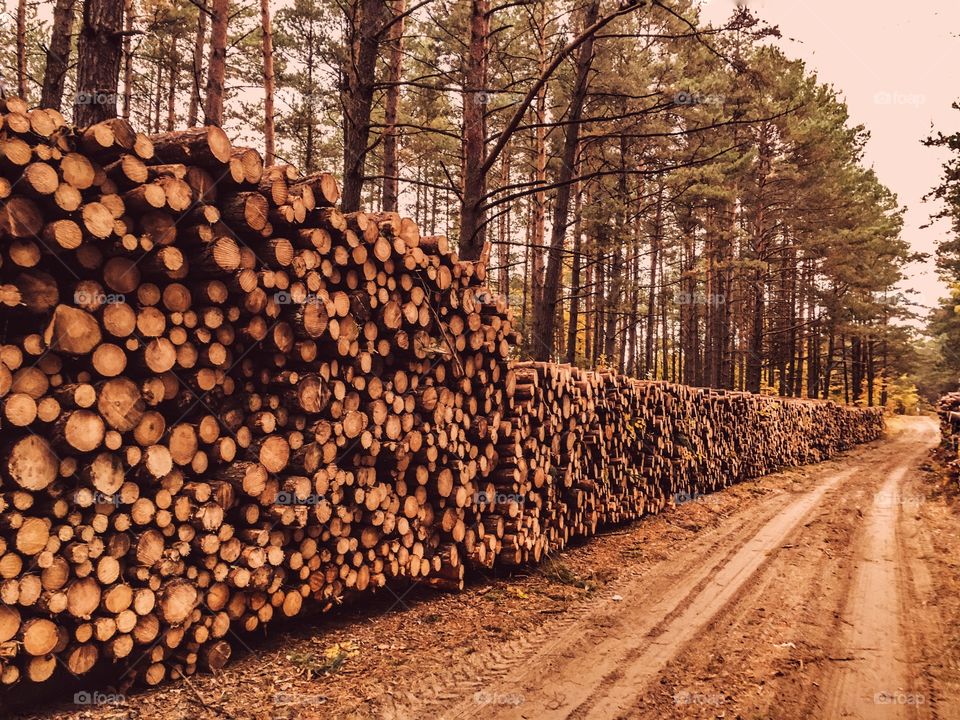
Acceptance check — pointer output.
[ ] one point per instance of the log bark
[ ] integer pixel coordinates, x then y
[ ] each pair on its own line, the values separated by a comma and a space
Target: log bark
475, 98
197, 67
217, 64
268, 84
98, 61
391, 167
365, 21
58, 55
545, 312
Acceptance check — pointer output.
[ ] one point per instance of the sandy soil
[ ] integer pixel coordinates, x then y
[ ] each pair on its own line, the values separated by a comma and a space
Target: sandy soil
829, 591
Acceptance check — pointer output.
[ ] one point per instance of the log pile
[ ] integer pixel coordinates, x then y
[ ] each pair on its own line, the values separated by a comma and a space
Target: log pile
948, 410
599, 448
224, 402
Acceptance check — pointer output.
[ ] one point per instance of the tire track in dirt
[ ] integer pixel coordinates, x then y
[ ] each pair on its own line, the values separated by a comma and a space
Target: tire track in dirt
576, 632
772, 651
881, 681
642, 662
886, 676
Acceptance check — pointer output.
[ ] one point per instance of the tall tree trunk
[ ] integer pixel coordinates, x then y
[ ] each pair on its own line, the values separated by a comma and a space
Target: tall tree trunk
172, 80
755, 351
199, 40
689, 323
599, 296
158, 98
665, 338
828, 365
757, 285
58, 55
615, 286
709, 290
98, 61
651, 324
526, 270
846, 368
790, 354
856, 367
472, 214
724, 300
217, 64
575, 287
127, 58
435, 210
391, 105
544, 320
539, 164
365, 24
613, 349
721, 228
633, 315
22, 48
588, 308
503, 251
269, 133
883, 369
813, 338
800, 340
310, 139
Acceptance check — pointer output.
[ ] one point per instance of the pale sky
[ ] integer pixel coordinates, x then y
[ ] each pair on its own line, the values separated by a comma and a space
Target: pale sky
897, 64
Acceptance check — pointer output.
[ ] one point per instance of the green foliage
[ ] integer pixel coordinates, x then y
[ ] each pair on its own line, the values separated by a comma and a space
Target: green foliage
903, 396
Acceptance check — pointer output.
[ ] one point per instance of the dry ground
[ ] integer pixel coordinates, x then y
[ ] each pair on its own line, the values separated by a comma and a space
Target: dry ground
829, 591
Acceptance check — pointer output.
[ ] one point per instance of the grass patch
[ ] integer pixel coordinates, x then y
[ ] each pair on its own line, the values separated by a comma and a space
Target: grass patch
329, 662
557, 571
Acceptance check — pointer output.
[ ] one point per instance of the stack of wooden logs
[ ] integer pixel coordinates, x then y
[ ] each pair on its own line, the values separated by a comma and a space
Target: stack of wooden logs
948, 410
225, 402
601, 449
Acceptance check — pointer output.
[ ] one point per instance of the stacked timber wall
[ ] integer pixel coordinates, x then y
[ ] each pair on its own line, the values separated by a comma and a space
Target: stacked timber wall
948, 410
225, 402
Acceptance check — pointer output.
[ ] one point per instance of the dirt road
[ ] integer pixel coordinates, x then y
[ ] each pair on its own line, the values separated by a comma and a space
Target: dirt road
829, 591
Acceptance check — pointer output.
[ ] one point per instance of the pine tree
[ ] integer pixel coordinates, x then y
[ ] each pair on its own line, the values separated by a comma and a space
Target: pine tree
98, 61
